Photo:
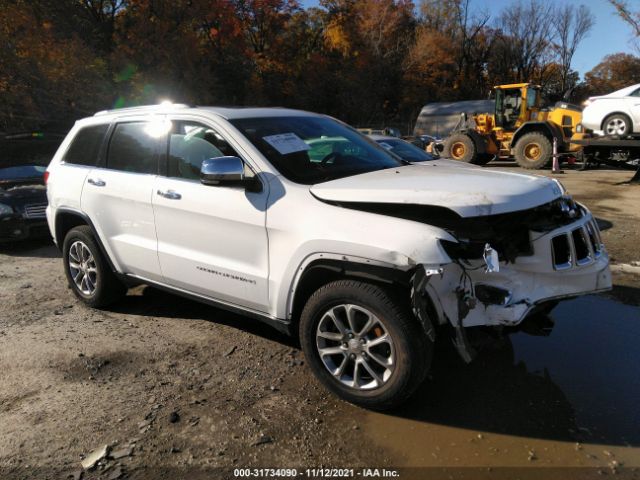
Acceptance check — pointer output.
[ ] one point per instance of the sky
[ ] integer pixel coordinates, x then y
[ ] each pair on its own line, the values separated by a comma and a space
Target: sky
609, 34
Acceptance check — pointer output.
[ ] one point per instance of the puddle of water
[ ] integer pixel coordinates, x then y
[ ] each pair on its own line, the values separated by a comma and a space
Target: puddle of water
592, 355
531, 394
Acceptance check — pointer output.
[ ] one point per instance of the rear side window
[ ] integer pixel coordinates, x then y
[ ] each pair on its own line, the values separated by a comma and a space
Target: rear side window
85, 146
133, 148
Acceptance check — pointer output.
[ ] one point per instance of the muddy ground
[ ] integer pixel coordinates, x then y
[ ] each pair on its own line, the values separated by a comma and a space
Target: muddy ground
177, 389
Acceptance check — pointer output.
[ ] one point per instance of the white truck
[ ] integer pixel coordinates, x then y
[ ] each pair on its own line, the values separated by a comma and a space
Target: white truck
360, 253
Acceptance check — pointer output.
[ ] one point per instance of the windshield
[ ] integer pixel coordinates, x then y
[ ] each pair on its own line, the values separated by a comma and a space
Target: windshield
405, 150
311, 150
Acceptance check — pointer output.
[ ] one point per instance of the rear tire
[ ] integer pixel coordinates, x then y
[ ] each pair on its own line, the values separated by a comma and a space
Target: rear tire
87, 271
617, 124
337, 344
533, 150
461, 147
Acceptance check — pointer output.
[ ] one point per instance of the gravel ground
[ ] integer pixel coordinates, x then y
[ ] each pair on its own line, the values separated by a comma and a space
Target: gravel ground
176, 389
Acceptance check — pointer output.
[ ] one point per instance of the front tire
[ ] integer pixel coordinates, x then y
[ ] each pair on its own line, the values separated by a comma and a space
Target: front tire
533, 150
363, 344
87, 271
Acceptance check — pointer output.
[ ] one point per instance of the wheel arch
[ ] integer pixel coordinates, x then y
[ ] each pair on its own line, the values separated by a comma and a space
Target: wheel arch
66, 219
617, 112
320, 271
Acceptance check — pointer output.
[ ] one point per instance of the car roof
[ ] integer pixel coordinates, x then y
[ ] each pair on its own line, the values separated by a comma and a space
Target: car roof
232, 113
229, 113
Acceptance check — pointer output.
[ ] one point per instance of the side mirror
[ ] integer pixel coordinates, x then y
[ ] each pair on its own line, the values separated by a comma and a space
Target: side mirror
221, 170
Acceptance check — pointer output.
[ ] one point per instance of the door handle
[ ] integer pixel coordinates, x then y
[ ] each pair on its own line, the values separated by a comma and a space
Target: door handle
170, 194
96, 182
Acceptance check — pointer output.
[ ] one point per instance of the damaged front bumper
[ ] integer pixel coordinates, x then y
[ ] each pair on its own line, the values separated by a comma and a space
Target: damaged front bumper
567, 262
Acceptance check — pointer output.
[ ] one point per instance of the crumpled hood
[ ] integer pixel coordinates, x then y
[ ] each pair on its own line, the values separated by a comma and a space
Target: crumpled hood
469, 192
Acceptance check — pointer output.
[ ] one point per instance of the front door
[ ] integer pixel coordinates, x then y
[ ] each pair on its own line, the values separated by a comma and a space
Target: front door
212, 240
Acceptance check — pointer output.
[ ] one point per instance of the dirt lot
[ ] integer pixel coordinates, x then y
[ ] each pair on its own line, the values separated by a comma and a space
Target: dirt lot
180, 390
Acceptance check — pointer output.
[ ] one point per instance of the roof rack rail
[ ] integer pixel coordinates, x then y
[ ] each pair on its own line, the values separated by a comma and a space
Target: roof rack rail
143, 108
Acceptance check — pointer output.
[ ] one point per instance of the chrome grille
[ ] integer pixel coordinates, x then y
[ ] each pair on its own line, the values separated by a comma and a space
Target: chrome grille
35, 211
594, 237
581, 246
561, 251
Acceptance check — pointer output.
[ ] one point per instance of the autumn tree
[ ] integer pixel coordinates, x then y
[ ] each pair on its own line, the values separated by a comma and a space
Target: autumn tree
613, 73
367, 42
160, 52
41, 70
467, 43
369, 62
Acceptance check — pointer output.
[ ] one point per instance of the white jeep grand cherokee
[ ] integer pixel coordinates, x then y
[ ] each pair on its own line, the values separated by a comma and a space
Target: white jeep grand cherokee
297, 219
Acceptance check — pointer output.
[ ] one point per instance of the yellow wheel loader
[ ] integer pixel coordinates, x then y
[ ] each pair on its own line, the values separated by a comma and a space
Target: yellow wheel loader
520, 127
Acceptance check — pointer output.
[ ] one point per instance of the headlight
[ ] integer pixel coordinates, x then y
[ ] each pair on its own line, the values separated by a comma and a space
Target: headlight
587, 102
5, 209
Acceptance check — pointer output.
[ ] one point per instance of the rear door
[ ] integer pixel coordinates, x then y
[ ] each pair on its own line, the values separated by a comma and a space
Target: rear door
212, 240
117, 196
67, 177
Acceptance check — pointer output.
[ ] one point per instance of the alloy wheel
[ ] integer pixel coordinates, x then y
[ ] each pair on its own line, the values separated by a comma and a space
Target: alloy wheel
616, 126
355, 347
82, 267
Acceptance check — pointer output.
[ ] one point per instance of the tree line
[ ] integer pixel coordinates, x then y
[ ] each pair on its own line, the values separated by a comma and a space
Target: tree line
367, 62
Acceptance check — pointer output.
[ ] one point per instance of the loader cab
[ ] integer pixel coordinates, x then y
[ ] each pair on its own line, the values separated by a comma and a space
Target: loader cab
515, 104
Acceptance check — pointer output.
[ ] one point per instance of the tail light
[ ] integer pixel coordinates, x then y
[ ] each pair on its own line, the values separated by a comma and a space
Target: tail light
46, 176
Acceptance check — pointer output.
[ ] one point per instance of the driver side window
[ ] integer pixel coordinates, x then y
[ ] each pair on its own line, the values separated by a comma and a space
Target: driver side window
190, 143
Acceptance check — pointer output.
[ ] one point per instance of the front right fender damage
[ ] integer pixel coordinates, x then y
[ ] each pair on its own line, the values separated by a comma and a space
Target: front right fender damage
472, 292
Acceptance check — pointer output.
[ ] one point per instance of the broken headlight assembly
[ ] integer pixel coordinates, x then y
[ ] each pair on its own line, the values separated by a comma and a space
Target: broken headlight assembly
509, 233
